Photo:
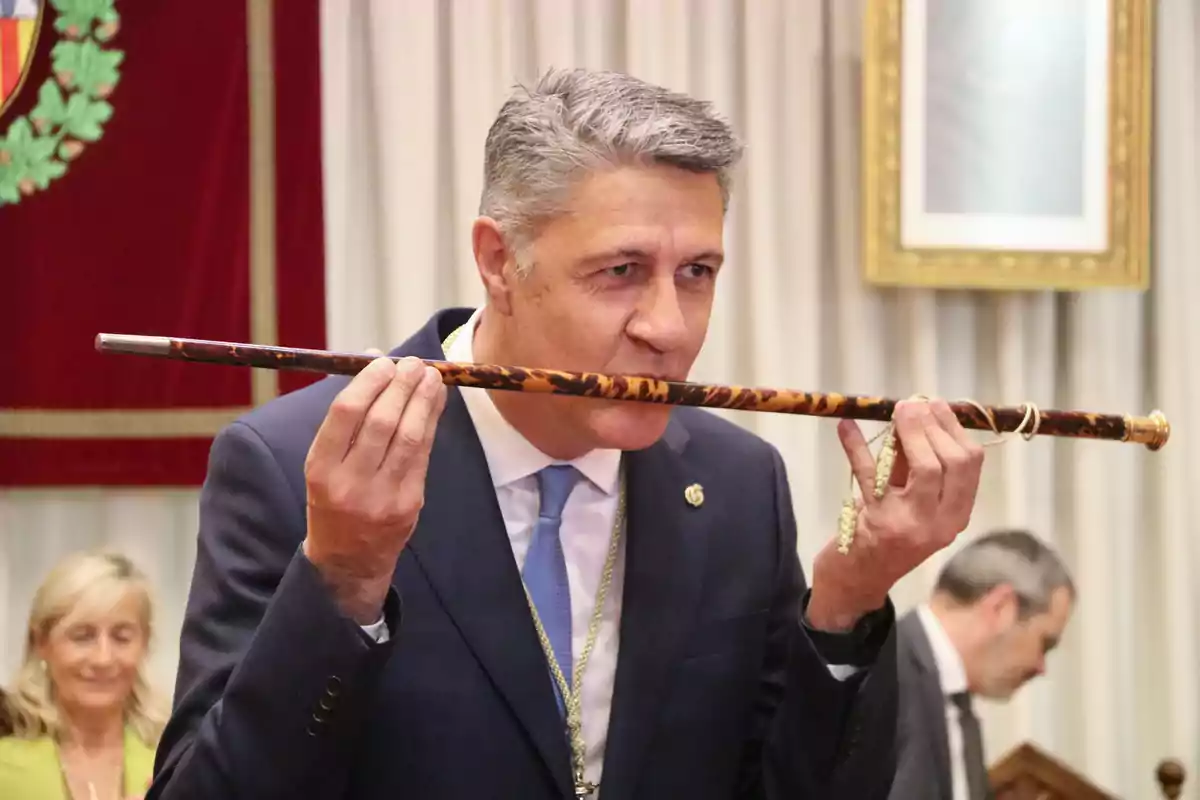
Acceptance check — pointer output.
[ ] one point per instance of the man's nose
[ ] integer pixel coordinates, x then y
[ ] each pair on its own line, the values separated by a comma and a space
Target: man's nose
659, 321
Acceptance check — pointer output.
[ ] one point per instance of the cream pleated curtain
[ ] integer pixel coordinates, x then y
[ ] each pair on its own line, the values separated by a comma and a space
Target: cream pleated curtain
410, 87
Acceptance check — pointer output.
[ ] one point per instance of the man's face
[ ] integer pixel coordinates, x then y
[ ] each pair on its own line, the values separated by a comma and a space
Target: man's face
622, 283
1017, 652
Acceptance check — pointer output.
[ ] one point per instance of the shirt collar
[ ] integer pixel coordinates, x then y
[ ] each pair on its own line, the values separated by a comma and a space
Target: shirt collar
510, 456
951, 672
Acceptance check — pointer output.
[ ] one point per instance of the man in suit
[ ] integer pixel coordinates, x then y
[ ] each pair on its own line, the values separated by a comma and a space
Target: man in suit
999, 607
405, 591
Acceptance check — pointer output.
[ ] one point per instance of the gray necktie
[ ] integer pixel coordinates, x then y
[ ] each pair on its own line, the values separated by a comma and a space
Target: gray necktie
977, 779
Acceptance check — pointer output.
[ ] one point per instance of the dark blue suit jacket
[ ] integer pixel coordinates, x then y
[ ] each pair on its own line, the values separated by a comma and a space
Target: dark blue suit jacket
720, 691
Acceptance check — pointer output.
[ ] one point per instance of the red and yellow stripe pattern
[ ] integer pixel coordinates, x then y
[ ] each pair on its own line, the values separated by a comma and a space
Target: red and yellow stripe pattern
16, 40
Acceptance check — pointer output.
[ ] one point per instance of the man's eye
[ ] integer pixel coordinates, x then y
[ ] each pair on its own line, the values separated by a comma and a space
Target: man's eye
698, 270
620, 270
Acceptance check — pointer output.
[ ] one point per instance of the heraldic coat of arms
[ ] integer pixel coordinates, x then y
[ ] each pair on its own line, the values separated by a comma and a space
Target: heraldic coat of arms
57, 71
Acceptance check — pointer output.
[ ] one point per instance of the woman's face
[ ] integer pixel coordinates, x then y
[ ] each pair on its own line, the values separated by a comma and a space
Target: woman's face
93, 658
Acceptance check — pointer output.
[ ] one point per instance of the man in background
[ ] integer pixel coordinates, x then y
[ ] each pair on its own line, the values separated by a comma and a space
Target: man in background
999, 607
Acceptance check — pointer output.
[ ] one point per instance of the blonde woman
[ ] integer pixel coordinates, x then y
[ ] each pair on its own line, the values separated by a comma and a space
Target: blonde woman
83, 722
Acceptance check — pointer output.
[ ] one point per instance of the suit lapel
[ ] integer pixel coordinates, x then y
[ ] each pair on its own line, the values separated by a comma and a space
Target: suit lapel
664, 568
461, 545
38, 763
933, 704
139, 764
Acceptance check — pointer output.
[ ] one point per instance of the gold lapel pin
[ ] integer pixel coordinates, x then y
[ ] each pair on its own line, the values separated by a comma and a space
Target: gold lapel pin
694, 494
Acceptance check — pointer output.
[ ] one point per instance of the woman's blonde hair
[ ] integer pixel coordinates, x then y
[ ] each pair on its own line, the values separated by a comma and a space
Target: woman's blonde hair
89, 580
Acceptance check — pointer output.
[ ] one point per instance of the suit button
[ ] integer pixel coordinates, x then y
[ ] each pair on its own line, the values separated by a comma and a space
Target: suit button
320, 717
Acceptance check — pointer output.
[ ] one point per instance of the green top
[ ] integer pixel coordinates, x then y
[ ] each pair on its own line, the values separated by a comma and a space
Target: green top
29, 768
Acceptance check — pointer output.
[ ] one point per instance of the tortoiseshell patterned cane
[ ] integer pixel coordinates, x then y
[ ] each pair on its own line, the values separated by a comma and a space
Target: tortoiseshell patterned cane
1152, 431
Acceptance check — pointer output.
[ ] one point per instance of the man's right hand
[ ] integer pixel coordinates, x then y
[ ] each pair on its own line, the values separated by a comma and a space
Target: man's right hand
365, 475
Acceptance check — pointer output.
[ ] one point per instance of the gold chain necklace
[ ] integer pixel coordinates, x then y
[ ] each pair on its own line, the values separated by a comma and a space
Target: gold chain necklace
573, 695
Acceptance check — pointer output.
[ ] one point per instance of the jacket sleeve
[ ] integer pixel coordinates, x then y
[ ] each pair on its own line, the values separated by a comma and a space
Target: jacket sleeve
273, 680
823, 736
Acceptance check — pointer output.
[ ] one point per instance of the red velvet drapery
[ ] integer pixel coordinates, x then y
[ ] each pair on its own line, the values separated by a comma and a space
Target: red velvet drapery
151, 229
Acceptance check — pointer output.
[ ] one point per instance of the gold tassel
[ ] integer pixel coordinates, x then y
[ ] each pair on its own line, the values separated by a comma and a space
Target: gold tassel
884, 462
846, 525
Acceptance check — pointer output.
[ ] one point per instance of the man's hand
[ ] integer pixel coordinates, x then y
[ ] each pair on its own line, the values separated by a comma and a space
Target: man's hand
365, 475
928, 502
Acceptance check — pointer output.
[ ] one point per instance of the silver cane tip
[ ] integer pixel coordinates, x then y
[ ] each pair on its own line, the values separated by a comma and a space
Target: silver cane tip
128, 343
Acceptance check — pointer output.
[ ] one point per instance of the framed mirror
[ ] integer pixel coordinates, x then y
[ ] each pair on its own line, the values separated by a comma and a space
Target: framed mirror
1007, 143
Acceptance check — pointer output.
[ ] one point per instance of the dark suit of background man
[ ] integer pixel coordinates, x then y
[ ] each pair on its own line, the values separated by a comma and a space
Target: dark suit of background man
371, 552
999, 607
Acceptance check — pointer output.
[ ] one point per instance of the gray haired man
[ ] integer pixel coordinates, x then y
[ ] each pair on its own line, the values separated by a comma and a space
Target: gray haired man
999, 607
405, 591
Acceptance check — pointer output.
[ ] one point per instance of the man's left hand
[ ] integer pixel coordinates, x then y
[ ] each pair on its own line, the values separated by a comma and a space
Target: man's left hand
928, 502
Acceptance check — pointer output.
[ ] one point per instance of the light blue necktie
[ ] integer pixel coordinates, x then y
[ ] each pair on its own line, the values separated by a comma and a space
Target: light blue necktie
545, 570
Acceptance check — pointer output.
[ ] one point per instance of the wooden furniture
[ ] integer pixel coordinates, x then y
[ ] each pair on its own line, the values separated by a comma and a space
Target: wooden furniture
1170, 774
1027, 773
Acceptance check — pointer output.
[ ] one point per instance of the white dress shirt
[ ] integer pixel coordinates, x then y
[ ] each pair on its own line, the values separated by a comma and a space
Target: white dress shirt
953, 677
587, 524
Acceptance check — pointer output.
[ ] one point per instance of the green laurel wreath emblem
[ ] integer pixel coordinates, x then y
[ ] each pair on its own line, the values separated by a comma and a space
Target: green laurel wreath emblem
72, 105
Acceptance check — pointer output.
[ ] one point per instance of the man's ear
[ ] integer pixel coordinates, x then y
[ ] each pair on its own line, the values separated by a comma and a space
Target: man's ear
1003, 605
494, 260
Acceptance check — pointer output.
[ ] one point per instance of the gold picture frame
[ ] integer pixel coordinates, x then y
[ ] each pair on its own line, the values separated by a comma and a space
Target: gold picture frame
977, 236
